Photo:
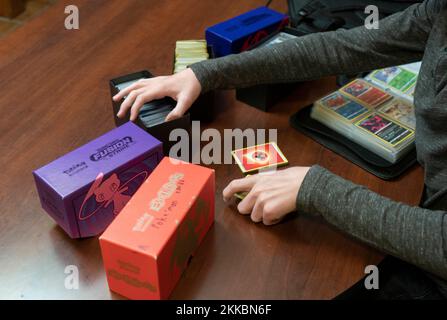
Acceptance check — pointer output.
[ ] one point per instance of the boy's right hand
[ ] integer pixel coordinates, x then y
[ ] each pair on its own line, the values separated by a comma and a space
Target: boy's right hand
182, 87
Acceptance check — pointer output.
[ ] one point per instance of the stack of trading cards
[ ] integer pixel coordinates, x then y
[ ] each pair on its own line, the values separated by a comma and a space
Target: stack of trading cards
370, 116
154, 112
188, 52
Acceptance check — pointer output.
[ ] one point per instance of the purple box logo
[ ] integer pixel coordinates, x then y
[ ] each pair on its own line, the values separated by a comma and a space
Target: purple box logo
85, 189
110, 149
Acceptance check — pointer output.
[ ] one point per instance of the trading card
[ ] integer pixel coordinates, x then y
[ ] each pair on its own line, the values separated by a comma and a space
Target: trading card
366, 93
413, 67
401, 111
385, 129
356, 88
396, 77
385, 75
343, 106
156, 123
334, 101
410, 90
259, 157
155, 119
124, 85
241, 195
149, 108
155, 111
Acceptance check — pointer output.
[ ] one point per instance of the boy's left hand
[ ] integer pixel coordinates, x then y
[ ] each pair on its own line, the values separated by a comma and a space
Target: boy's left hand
271, 196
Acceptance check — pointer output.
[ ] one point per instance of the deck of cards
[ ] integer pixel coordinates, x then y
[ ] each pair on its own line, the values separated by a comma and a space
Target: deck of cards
188, 52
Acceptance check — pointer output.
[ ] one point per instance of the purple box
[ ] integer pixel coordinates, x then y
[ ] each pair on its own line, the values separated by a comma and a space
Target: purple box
85, 189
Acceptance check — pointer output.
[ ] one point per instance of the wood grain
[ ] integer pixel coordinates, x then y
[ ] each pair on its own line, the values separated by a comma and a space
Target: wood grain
54, 98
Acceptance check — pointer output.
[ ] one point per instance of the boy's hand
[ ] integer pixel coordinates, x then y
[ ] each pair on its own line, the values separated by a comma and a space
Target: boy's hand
271, 196
182, 87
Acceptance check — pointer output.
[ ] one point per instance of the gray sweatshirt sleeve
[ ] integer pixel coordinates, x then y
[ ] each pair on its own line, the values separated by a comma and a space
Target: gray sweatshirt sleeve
414, 234
400, 39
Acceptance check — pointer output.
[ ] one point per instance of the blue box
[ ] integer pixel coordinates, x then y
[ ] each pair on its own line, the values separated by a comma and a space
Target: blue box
242, 32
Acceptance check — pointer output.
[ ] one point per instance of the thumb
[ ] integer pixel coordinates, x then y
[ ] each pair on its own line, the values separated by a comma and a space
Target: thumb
182, 106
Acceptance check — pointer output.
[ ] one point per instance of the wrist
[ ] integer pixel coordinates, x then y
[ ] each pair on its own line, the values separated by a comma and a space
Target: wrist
311, 183
202, 75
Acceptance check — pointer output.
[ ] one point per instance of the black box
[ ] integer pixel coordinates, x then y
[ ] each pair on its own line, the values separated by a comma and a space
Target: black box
264, 96
159, 130
203, 108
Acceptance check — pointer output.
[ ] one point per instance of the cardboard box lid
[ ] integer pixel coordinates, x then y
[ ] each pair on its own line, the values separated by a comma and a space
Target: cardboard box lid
136, 227
247, 23
104, 154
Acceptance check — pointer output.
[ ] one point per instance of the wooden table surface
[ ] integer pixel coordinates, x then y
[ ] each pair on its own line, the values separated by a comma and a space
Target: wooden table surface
54, 97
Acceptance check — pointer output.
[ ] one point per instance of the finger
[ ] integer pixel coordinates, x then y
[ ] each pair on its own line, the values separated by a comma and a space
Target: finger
179, 110
271, 222
239, 185
138, 103
128, 102
258, 208
270, 213
137, 85
247, 204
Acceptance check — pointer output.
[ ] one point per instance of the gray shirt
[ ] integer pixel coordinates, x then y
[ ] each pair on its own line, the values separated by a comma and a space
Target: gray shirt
415, 234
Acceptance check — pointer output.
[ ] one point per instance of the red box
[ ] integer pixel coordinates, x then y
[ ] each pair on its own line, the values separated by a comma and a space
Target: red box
149, 245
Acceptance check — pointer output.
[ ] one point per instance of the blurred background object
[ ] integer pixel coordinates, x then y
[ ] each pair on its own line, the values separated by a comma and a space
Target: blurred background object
14, 13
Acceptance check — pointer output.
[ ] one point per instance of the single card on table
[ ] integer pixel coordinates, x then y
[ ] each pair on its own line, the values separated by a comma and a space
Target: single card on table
400, 111
385, 129
259, 157
366, 93
343, 106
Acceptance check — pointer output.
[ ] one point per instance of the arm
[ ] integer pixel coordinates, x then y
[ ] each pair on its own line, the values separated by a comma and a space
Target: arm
414, 234
400, 39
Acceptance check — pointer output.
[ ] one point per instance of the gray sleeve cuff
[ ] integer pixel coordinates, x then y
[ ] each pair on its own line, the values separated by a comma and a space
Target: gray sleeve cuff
204, 72
314, 180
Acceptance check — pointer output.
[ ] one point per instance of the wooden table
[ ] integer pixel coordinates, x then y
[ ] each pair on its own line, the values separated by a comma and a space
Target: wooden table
54, 98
